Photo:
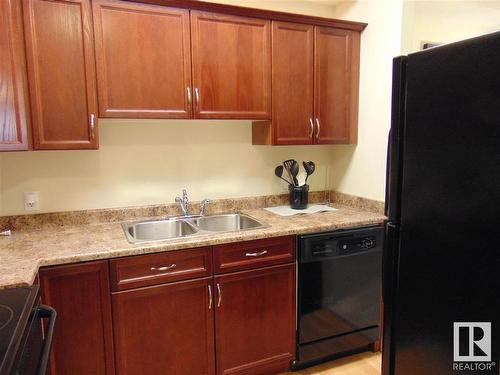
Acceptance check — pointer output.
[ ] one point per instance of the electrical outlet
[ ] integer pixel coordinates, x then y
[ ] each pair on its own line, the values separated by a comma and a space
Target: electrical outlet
31, 202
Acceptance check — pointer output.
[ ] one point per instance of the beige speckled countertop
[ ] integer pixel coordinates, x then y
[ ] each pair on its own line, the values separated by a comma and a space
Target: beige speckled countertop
22, 254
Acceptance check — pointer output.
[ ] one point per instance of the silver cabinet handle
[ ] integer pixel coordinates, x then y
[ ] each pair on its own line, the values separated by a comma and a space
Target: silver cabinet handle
210, 297
197, 98
319, 127
263, 252
92, 126
312, 127
164, 268
219, 292
189, 97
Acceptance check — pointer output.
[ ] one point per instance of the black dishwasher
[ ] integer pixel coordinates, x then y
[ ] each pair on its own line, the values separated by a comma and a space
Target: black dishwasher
339, 293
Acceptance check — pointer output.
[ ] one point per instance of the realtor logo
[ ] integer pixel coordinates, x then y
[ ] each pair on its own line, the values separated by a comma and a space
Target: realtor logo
472, 342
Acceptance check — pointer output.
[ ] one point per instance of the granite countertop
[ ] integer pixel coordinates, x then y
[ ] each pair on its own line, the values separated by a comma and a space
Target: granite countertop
22, 254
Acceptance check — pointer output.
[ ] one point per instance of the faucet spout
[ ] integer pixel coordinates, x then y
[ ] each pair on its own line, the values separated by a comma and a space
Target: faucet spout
185, 201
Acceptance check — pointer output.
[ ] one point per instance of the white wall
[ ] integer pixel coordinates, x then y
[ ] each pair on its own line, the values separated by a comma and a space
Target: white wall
447, 21
149, 162
309, 7
360, 170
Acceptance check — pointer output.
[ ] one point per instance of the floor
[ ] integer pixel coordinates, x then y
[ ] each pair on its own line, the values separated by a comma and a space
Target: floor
361, 364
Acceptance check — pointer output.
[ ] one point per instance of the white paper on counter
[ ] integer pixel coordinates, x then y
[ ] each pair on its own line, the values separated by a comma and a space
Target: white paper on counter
311, 209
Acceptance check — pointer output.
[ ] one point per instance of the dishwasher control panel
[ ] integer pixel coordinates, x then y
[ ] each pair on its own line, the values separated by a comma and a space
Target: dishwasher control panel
356, 244
341, 243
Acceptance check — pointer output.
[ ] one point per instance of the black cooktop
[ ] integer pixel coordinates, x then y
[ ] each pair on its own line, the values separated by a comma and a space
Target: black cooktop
15, 308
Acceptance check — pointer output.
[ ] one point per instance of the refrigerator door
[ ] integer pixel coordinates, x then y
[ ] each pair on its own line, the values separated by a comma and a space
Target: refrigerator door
448, 252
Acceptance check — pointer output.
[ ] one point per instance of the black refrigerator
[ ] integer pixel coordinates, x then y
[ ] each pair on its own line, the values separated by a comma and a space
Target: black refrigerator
441, 266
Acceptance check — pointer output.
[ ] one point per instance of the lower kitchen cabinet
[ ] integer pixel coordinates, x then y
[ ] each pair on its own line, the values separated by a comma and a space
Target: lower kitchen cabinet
165, 329
255, 320
167, 313
83, 342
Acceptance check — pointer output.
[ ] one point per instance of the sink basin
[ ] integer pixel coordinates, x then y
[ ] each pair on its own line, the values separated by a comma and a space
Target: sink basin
149, 231
227, 223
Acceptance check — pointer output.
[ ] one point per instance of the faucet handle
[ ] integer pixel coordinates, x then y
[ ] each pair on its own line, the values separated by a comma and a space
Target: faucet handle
203, 205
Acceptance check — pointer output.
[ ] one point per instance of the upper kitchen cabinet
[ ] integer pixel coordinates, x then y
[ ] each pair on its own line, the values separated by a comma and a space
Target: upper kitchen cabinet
231, 66
293, 74
336, 80
61, 73
143, 60
315, 86
14, 116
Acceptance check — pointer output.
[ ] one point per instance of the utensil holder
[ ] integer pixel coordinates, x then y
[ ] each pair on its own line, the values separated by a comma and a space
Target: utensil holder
299, 196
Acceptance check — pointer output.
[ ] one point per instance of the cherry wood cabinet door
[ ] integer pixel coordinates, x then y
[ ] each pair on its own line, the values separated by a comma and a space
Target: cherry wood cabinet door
255, 321
61, 73
143, 60
83, 342
165, 329
336, 77
231, 66
293, 83
14, 116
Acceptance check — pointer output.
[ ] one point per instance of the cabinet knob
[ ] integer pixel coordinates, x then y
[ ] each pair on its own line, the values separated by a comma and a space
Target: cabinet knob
189, 98
260, 253
92, 126
210, 297
219, 292
164, 268
197, 98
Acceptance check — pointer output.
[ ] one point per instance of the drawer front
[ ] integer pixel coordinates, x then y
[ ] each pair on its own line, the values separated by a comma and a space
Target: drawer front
253, 254
151, 269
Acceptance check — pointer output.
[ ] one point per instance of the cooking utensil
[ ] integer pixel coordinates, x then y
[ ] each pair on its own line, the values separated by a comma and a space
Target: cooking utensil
278, 171
294, 170
309, 167
288, 166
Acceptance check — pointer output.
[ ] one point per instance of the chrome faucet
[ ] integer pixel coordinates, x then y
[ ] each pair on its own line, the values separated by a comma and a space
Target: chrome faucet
203, 206
183, 202
185, 206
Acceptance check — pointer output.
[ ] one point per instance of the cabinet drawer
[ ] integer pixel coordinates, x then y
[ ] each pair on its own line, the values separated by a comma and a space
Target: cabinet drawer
151, 269
253, 254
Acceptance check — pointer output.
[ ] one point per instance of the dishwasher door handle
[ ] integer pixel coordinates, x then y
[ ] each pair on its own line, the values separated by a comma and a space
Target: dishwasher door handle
322, 252
45, 311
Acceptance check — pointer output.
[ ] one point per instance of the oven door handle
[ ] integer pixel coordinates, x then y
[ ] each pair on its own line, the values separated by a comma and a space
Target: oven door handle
45, 311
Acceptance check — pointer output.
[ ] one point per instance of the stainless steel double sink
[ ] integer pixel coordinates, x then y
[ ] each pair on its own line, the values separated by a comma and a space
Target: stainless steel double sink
178, 227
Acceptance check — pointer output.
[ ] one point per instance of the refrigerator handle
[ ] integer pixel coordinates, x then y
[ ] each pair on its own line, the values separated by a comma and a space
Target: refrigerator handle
388, 174
395, 144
